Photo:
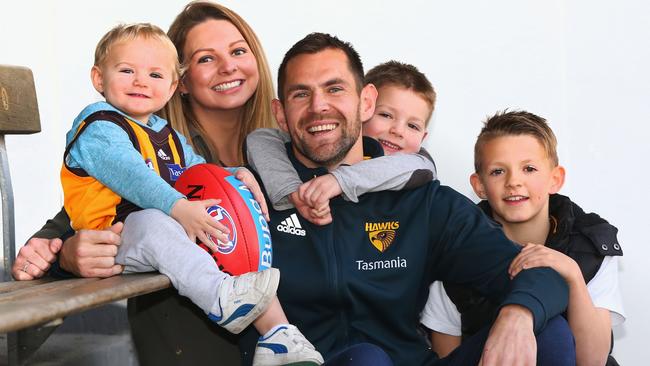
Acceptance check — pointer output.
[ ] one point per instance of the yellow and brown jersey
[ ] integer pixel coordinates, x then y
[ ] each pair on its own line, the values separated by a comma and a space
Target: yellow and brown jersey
92, 205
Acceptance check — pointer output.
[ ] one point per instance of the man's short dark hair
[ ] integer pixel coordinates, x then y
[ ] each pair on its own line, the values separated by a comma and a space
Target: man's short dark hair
314, 43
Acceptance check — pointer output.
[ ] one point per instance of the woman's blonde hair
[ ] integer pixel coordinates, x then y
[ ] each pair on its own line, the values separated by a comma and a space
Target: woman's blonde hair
257, 111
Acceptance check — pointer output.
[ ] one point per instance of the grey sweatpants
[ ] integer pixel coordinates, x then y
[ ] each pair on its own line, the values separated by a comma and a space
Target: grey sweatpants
153, 241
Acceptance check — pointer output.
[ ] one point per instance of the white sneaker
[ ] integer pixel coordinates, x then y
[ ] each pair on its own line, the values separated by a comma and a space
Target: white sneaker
243, 298
286, 346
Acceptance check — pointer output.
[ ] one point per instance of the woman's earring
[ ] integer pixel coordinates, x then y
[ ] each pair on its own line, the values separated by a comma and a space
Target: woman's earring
184, 95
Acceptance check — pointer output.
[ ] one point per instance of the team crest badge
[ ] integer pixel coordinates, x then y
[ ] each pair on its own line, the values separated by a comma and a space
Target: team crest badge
382, 234
219, 214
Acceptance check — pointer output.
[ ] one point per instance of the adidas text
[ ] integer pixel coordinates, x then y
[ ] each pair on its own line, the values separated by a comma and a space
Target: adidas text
291, 230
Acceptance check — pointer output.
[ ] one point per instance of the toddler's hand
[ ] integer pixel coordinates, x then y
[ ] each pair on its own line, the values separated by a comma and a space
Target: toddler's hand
249, 180
535, 255
196, 221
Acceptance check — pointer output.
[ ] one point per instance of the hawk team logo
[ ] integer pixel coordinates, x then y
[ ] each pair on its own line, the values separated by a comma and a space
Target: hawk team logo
382, 234
219, 214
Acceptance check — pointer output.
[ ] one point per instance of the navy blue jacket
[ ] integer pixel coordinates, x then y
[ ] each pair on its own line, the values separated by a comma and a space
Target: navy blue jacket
365, 276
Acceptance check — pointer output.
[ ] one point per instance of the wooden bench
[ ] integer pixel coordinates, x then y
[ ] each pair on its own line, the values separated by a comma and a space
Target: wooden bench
31, 310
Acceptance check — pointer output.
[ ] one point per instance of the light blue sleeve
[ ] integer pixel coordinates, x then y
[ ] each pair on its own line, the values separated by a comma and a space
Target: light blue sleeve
191, 158
105, 152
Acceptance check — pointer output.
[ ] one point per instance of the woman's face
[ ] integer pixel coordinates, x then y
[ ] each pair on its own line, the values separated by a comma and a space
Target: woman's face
222, 70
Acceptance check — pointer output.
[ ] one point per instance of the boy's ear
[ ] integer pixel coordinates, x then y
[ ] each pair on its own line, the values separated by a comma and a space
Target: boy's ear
368, 98
475, 181
557, 179
97, 79
280, 117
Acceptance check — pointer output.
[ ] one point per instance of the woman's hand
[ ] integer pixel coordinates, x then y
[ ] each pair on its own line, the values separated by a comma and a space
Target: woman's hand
91, 253
35, 258
249, 180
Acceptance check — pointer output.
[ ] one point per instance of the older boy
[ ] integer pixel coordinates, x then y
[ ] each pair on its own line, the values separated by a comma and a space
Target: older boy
121, 158
405, 103
518, 177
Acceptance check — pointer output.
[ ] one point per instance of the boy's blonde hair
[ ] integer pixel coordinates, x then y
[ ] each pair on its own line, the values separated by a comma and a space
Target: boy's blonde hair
129, 32
516, 123
394, 73
257, 112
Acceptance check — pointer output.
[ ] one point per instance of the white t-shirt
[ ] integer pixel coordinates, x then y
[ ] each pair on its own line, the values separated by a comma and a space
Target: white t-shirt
440, 313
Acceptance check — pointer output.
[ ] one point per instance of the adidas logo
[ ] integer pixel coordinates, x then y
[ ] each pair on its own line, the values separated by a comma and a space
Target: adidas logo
291, 225
162, 155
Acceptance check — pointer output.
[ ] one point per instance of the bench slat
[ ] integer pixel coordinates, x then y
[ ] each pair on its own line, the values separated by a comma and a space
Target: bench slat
72, 296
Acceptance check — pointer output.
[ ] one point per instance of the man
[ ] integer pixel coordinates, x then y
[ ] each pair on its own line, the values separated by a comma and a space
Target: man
364, 277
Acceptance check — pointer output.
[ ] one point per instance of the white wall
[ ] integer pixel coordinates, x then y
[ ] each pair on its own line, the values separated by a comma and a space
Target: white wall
581, 64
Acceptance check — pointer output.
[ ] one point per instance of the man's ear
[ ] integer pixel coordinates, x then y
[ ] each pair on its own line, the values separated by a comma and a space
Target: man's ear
557, 179
475, 181
278, 112
97, 79
367, 101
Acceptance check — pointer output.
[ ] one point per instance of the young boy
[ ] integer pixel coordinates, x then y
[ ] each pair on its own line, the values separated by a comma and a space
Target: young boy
121, 158
517, 175
405, 102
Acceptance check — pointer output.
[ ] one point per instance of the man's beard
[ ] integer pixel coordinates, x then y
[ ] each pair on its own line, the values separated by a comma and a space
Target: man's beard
335, 153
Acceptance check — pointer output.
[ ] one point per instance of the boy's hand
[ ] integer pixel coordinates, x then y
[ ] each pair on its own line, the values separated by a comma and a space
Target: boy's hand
249, 180
196, 221
317, 216
535, 255
319, 190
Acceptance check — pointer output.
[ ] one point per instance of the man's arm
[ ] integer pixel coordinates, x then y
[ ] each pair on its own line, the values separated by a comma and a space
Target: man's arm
476, 253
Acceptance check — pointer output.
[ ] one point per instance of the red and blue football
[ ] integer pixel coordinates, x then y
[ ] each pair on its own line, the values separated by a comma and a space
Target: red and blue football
249, 243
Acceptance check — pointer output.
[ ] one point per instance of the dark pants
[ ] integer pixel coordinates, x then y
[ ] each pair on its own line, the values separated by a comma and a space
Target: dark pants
359, 355
555, 346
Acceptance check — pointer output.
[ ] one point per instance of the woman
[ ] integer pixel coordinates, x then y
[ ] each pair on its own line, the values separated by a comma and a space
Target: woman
225, 93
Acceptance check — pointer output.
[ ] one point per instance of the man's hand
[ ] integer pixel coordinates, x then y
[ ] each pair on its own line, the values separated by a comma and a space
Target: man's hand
196, 221
535, 255
34, 258
249, 180
91, 253
511, 340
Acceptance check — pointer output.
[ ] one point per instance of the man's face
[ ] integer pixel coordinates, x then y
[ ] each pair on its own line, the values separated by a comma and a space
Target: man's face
322, 110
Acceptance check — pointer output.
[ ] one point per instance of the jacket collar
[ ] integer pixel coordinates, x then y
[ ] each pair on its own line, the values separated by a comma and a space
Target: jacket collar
371, 149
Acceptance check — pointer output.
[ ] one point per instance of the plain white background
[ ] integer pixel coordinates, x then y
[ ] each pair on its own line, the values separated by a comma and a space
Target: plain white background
581, 64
